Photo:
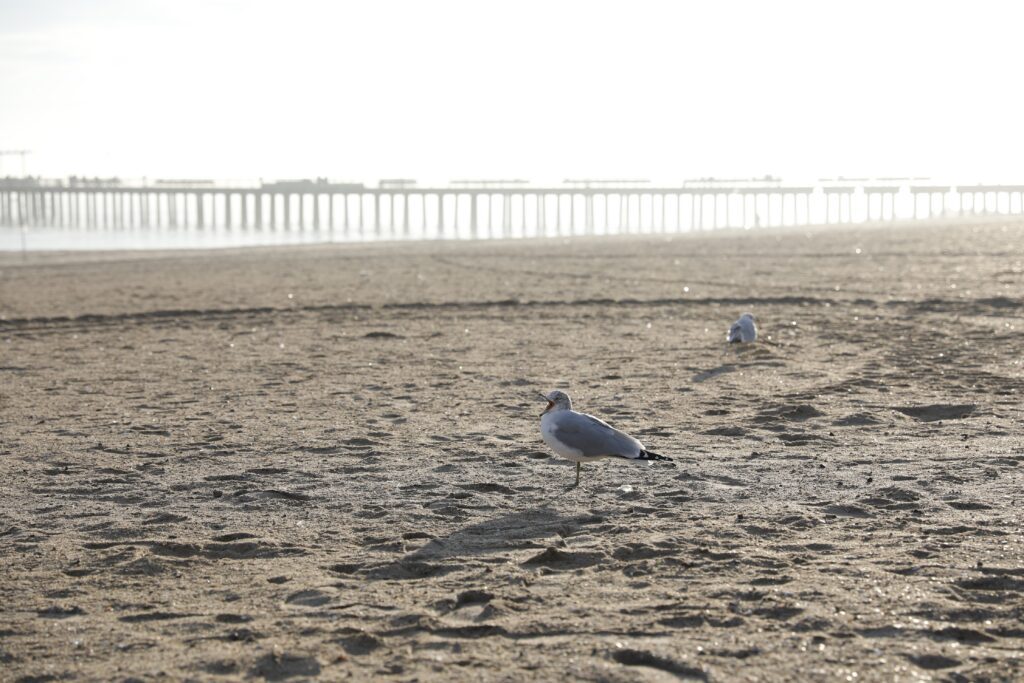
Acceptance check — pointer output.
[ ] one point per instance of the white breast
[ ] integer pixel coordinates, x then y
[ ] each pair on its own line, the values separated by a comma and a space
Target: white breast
547, 432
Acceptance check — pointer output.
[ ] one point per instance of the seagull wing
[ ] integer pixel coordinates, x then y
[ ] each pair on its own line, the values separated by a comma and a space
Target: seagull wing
595, 438
750, 331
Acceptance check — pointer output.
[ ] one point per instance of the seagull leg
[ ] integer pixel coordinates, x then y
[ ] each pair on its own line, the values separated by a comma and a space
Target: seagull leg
577, 484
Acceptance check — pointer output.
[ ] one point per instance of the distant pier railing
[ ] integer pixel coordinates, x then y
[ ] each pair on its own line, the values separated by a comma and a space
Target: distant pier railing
400, 209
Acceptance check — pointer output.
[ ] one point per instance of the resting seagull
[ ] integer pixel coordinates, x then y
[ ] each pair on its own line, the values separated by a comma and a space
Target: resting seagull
743, 330
582, 438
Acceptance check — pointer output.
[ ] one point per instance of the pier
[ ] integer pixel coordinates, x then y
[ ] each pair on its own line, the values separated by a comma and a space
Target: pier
400, 209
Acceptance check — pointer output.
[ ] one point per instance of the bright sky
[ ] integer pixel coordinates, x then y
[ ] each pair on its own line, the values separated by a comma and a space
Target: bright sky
535, 89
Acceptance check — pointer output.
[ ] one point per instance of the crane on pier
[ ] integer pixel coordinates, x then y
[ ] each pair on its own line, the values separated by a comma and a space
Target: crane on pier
16, 152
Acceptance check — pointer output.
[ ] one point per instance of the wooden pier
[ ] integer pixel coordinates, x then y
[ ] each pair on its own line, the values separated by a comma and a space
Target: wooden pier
404, 211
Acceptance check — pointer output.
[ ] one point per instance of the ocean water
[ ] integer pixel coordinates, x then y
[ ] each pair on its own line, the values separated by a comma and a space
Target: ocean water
68, 239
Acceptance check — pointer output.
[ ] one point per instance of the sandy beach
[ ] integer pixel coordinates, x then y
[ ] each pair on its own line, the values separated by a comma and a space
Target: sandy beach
325, 461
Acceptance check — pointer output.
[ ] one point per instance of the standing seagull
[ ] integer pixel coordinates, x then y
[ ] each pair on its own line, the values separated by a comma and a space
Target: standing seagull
743, 330
581, 438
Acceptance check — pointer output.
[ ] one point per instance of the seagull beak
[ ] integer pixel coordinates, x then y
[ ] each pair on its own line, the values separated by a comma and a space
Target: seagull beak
551, 404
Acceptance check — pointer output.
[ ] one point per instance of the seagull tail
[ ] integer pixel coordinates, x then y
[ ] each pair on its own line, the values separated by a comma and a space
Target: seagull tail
647, 455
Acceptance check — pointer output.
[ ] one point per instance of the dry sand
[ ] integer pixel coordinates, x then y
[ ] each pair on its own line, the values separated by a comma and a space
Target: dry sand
325, 461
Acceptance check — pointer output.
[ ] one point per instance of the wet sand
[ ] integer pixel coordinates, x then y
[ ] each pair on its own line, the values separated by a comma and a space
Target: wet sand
325, 461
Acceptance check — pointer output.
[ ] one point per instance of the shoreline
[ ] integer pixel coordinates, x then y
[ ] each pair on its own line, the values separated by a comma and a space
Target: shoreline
9, 257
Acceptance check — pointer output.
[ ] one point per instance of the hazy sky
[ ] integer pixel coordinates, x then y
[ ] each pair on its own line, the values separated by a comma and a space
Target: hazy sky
545, 90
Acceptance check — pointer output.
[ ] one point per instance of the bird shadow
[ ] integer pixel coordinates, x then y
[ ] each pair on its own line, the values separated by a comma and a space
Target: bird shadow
714, 372
498, 535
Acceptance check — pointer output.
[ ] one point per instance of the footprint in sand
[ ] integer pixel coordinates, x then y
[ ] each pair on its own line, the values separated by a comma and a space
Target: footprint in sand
649, 660
278, 667
308, 598
933, 413
554, 558
358, 643
932, 661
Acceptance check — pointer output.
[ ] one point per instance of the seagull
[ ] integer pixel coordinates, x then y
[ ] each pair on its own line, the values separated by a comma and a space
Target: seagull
743, 330
581, 438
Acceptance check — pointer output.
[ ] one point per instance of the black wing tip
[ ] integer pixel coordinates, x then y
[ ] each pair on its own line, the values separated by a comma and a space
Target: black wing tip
648, 455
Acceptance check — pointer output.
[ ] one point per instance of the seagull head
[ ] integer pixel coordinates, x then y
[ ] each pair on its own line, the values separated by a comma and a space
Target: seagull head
557, 400
749, 316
